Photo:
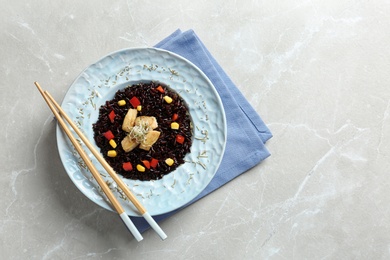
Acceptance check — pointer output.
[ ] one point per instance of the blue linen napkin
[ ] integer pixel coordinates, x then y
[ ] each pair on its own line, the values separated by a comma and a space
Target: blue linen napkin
246, 131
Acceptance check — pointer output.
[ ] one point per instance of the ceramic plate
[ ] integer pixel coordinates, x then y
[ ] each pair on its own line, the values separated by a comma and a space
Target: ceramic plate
101, 80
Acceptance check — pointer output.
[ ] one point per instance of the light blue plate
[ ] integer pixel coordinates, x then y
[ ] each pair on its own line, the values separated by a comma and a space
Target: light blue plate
100, 81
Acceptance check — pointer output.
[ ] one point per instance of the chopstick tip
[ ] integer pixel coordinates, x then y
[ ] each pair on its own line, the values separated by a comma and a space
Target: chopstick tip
154, 225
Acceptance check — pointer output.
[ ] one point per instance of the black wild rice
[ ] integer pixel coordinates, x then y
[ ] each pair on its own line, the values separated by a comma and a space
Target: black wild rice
153, 104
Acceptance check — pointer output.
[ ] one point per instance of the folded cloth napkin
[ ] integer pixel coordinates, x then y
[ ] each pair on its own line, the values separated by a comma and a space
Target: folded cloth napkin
246, 131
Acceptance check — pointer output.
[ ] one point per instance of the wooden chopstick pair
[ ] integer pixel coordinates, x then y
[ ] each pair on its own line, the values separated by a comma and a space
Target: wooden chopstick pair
59, 113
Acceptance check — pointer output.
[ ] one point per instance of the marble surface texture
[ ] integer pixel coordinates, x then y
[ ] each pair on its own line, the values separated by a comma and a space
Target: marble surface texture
316, 71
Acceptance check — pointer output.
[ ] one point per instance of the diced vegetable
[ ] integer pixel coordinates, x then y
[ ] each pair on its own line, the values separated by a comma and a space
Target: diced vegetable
146, 163
139, 108
180, 139
174, 125
127, 166
153, 163
109, 135
169, 161
121, 103
175, 117
111, 116
134, 101
112, 143
140, 168
168, 99
160, 89
111, 153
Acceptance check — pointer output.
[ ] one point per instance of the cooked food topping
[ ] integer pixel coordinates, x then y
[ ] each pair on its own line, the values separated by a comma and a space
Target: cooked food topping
175, 125
140, 131
111, 153
111, 116
160, 89
121, 102
134, 101
169, 161
129, 144
140, 168
150, 138
129, 120
127, 166
112, 143
180, 139
109, 135
168, 99
148, 120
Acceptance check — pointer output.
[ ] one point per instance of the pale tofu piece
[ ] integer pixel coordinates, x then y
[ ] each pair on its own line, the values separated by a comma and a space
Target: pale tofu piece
129, 120
150, 138
128, 144
151, 121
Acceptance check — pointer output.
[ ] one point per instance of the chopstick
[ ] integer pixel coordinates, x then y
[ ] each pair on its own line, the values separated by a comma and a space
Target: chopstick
115, 203
61, 113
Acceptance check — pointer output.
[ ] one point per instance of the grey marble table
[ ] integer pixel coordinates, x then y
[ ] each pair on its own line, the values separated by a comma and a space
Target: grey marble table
316, 71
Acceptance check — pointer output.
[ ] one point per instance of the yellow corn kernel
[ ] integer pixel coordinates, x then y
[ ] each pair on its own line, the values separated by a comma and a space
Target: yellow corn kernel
139, 108
175, 125
121, 102
168, 99
112, 143
140, 168
111, 153
169, 161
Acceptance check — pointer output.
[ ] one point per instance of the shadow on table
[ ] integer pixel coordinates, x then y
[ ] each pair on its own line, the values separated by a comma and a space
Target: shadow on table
66, 197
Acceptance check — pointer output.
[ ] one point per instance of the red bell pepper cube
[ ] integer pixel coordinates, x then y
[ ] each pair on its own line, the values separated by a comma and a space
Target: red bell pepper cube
109, 135
134, 101
153, 163
127, 166
111, 116
180, 139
